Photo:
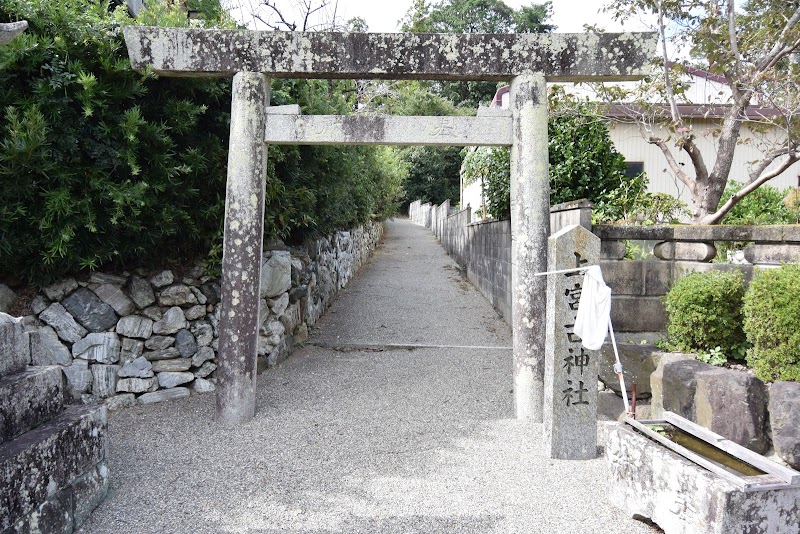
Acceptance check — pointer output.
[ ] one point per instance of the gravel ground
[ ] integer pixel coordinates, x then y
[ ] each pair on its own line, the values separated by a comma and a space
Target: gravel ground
350, 439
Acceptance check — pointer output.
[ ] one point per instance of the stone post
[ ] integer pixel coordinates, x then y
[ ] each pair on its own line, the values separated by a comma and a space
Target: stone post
570, 384
530, 226
242, 248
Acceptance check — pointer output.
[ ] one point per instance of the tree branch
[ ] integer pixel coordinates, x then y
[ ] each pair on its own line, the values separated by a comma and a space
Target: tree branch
781, 47
673, 106
671, 161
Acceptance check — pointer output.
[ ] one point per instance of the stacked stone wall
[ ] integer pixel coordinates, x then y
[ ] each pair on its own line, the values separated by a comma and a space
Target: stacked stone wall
144, 337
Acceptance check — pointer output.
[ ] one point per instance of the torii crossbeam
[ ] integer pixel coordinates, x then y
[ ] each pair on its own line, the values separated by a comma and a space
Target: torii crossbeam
251, 57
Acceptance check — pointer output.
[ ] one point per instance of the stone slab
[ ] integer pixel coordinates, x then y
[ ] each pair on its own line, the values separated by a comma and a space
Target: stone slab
15, 351
47, 349
61, 451
649, 481
163, 395
733, 404
29, 399
637, 366
91, 312
784, 416
561, 57
387, 130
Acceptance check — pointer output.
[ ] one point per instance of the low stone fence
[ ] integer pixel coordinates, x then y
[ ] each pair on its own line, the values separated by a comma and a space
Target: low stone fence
483, 249
145, 337
639, 285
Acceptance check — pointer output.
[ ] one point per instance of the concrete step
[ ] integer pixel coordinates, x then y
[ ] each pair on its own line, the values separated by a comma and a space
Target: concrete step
29, 399
53, 476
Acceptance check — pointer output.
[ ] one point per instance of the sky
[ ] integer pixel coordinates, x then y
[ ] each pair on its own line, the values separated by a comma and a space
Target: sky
383, 15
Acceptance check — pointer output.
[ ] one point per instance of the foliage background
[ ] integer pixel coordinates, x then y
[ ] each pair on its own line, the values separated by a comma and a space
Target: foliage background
103, 166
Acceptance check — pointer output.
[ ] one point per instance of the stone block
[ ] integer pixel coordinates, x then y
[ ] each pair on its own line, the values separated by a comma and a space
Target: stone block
624, 277
276, 274
734, 405
784, 418
201, 385
649, 481
135, 326
64, 324
159, 342
91, 312
131, 349
203, 333
195, 312
114, 297
163, 395
15, 349
201, 299
137, 385
55, 515
104, 380
205, 370
170, 379
185, 343
62, 450
28, 399
60, 289
162, 354
176, 295
674, 384
47, 349
140, 292
772, 254
7, 298
164, 278
638, 314
103, 347
177, 365
203, 355
637, 366
172, 321
79, 377
137, 368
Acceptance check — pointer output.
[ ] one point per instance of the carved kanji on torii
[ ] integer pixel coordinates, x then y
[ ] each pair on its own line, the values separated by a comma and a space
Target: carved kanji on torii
528, 61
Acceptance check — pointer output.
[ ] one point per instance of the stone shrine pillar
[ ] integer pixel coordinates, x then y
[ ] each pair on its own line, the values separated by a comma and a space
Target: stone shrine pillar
530, 226
242, 250
570, 382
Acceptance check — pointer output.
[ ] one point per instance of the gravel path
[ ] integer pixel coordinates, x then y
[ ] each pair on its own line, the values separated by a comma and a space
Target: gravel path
352, 437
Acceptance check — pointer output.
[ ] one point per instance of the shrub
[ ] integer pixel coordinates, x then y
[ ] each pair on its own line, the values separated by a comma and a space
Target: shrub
583, 163
705, 313
772, 323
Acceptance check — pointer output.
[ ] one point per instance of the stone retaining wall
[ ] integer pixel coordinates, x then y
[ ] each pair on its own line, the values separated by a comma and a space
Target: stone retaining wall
143, 337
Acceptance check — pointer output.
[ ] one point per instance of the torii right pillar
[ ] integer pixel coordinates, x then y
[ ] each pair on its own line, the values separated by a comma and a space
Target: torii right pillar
530, 227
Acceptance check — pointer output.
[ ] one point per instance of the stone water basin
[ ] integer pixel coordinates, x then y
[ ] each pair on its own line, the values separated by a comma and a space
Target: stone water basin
687, 479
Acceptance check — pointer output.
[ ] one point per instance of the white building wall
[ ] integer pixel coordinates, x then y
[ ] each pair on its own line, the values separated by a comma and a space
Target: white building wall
630, 144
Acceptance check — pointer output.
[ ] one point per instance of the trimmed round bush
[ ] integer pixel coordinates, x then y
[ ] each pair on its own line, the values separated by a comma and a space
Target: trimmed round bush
705, 312
772, 323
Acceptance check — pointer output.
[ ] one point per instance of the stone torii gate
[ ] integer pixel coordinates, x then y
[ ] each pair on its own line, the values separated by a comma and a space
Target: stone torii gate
252, 58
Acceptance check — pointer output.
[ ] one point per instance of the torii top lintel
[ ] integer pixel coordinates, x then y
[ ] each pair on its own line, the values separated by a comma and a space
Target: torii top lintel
566, 57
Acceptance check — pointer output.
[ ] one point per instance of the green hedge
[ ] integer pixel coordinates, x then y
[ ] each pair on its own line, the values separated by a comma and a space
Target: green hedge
772, 323
103, 166
705, 313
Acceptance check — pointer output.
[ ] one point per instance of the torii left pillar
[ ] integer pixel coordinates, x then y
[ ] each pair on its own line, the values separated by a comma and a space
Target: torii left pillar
242, 249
